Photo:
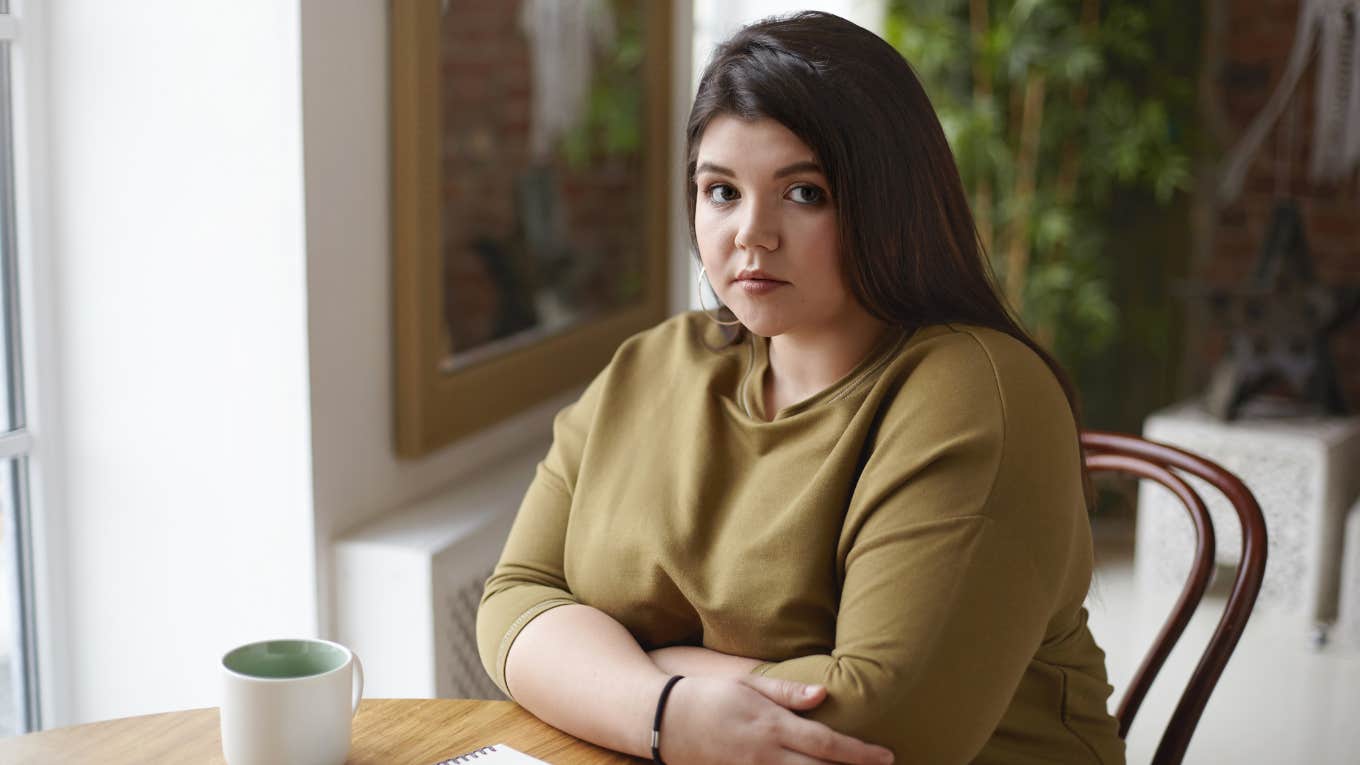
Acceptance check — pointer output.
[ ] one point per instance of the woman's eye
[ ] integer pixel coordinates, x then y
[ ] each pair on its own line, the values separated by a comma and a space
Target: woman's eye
721, 193
807, 195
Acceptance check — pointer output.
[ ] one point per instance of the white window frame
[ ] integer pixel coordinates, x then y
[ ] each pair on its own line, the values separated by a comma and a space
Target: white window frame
44, 626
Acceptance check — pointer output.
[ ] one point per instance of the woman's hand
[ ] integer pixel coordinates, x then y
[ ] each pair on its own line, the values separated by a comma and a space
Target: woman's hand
751, 720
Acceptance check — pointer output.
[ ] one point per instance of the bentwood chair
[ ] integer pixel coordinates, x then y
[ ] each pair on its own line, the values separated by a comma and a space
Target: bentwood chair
1164, 464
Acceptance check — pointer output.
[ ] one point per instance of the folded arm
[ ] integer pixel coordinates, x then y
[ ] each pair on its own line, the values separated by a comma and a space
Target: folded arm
955, 544
578, 669
928, 655
694, 660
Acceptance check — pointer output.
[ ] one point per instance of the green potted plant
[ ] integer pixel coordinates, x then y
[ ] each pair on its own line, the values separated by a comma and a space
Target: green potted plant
1061, 113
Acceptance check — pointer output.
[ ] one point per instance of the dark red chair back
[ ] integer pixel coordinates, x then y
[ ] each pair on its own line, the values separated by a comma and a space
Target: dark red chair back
1165, 464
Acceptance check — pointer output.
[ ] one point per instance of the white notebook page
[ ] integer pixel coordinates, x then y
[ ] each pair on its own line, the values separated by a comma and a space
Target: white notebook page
500, 754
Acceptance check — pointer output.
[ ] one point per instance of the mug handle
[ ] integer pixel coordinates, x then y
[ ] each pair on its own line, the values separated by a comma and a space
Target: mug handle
358, 682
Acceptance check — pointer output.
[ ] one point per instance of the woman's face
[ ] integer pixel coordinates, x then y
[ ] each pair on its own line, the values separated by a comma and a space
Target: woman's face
766, 228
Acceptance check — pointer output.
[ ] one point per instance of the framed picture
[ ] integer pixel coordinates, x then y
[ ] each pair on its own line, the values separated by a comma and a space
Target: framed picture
529, 200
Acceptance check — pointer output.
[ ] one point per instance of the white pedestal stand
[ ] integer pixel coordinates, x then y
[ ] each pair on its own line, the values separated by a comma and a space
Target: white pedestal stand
1305, 472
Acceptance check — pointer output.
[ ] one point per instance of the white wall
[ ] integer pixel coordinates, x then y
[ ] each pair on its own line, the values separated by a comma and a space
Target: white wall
177, 247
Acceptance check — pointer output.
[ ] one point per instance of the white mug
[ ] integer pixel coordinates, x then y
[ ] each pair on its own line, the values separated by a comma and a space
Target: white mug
289, 702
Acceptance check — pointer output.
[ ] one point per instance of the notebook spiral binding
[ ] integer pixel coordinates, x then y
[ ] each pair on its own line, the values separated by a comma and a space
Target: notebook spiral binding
472, 756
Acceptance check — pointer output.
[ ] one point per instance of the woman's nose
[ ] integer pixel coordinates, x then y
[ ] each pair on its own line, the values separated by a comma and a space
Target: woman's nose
759, 227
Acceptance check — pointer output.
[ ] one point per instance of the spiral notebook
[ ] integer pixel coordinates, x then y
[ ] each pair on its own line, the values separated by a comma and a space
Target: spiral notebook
500, 754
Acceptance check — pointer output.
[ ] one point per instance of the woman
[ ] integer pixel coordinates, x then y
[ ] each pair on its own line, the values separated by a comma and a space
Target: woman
852, 517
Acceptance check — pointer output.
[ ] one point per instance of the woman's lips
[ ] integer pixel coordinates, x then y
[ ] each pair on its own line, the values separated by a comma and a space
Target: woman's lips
760, 286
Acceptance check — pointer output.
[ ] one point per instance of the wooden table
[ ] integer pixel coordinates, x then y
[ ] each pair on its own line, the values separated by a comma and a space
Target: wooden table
386, 732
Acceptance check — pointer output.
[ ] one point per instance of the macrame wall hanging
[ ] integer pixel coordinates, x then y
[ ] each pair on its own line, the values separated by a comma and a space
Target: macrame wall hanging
1330, 31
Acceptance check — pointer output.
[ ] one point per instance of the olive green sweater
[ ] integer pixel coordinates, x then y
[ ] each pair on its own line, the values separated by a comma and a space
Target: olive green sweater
914, 537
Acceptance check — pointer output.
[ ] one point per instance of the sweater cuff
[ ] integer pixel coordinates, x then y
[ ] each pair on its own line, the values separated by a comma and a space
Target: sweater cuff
516, 627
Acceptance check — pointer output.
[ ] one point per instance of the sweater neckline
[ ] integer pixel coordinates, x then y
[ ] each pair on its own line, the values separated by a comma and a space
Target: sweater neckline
750, 392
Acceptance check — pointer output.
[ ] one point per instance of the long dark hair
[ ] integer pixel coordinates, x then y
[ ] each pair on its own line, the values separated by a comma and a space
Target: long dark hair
910, 250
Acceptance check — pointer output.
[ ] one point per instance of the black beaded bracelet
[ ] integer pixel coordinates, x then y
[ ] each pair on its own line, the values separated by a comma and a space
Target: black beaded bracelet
656, 724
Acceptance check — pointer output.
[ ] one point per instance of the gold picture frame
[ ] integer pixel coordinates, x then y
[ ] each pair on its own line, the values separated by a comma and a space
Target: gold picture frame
437, 403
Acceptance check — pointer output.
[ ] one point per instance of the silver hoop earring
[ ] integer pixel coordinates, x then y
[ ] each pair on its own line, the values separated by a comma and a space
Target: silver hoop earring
703, 274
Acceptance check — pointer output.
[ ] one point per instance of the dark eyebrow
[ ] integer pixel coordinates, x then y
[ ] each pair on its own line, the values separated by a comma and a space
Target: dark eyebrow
806, 166
712, 168
796, 167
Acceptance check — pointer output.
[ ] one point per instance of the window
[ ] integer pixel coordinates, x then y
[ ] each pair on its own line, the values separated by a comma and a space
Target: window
530, 210
18, 667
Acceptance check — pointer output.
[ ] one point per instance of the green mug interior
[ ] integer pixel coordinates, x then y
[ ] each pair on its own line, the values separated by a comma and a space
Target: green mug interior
278, 659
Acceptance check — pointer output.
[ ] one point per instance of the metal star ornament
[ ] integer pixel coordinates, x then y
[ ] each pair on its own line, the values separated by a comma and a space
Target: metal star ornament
1278, 325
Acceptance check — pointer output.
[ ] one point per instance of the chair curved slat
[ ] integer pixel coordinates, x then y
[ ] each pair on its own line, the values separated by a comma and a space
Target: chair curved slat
1191, 594
1246, 585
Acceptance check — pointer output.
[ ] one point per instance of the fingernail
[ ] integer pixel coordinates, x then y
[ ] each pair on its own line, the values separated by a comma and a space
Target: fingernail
809, 691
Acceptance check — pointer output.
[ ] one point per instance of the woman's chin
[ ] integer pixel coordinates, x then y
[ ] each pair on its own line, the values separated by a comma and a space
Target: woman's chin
763, 326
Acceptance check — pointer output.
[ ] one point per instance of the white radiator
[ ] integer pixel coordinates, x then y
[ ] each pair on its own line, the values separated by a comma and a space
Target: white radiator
408, 585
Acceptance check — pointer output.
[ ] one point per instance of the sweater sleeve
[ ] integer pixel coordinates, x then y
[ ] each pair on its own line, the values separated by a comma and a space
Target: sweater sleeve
942, 607
530, 579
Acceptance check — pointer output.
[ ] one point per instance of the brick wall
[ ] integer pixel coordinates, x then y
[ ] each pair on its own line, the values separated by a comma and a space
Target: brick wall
1246, 62
488, 86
